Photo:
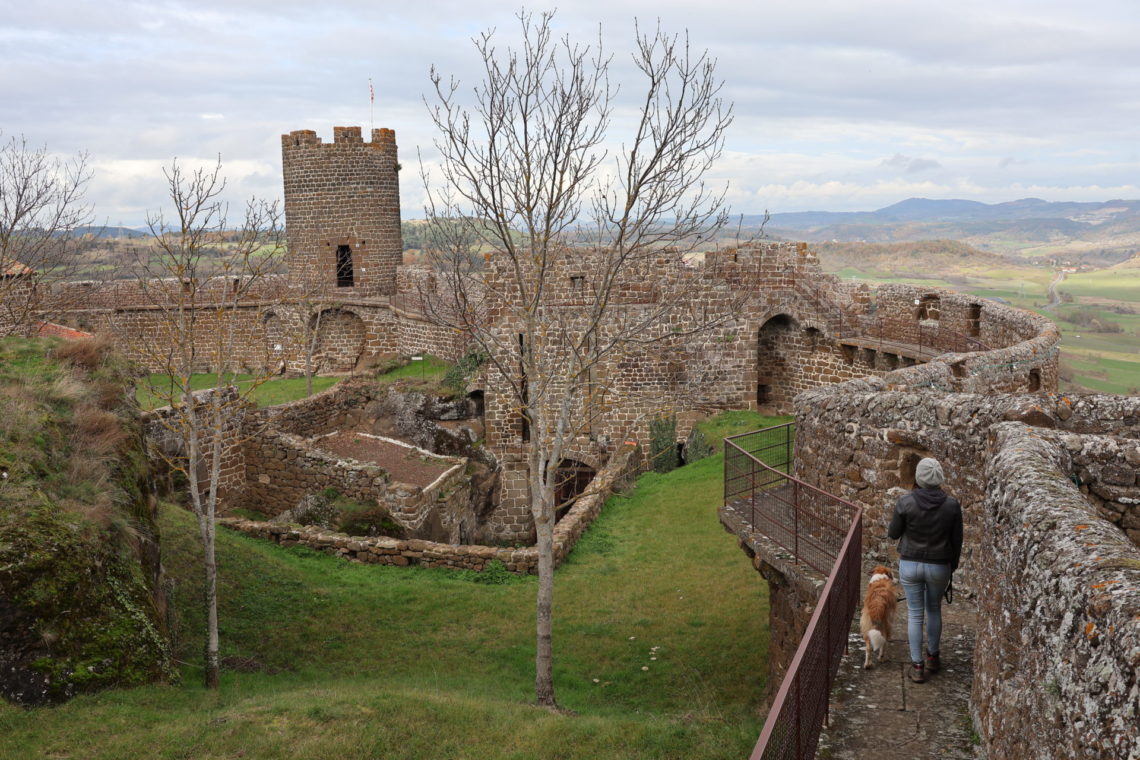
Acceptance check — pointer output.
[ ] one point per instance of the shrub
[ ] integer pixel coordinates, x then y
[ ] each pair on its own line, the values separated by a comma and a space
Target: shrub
87, 353
457, 377
663, 443
369, 521
697, 447
495, 574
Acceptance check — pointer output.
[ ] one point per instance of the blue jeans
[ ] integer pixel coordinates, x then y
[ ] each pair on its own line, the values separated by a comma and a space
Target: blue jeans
923, 583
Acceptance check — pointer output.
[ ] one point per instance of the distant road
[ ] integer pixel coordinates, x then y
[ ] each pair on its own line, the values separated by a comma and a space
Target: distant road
1054, 294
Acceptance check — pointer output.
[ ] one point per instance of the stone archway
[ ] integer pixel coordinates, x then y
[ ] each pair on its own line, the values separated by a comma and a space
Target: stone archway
777, 343
274, 330
340, 338
573, 478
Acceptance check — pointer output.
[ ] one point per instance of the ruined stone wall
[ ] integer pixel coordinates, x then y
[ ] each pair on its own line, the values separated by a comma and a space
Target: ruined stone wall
167, 428
335, 408
122, 294
416, 335
1057, 661
863, 446
400, 552
712, 353
344, 193
281, 469
861, 439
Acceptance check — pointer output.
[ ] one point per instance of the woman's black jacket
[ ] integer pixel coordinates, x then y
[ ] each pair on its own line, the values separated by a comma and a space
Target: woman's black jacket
929, 521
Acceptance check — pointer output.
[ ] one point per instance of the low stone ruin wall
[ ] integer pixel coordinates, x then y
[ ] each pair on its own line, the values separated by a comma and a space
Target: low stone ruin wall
165, 430
282, 468
332, 409
390, 551
1057, 661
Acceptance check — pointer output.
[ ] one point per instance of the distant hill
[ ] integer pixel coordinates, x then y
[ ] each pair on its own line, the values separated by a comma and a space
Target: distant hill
928, 211
111, 232
915, 259
1105, 232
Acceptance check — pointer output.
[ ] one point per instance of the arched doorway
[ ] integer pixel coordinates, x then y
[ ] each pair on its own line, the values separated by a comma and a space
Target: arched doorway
776, 346
572, 479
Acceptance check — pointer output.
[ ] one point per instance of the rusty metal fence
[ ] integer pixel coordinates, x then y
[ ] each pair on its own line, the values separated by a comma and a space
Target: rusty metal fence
929, 339
821, 531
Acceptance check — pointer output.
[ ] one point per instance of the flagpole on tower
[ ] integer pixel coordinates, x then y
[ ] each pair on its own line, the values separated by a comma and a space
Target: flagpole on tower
371, 106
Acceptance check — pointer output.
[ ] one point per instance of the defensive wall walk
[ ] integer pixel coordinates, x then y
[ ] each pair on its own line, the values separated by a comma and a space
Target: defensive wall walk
879, 713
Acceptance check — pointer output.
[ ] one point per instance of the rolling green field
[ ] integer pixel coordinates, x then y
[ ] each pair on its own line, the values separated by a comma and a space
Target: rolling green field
660, 650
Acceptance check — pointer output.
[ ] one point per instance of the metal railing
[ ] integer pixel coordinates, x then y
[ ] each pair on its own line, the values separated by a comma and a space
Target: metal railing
823, 532
929, 339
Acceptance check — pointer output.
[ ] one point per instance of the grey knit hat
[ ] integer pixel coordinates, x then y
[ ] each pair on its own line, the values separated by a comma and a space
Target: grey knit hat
928, 474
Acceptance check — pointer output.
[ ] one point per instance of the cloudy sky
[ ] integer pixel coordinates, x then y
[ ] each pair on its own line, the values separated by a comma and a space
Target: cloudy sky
840, 105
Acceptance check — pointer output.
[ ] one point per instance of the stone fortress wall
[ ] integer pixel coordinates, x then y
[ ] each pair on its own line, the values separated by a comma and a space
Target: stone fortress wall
787, 327
1051, 503
877, 378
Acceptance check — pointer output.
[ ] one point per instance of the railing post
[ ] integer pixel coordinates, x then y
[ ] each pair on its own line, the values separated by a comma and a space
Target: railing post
796, 519
752, 490
799, 715
827, 691
788, 449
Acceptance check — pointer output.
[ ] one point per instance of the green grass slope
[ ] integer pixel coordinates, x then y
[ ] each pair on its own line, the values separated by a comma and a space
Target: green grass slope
660, 652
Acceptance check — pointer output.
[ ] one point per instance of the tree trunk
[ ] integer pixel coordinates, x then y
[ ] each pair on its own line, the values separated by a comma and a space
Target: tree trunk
544, 654
211, 599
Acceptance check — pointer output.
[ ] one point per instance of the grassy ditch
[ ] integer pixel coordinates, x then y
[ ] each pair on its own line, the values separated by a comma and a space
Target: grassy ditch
660, 651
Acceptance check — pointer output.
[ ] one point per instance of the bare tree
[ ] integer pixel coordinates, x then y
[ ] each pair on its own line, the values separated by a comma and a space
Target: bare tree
575, 234
203, 289
42, 207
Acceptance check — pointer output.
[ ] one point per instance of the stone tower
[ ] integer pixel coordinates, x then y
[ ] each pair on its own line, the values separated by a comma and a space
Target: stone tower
342, 212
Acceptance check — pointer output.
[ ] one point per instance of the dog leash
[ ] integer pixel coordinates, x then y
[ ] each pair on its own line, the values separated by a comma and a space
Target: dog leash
948, 594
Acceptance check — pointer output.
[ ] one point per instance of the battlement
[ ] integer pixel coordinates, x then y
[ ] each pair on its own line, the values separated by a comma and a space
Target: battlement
342, 208
382, 138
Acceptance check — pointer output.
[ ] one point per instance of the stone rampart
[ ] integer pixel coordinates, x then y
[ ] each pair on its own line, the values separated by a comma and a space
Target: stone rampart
1106, 468
1057, 662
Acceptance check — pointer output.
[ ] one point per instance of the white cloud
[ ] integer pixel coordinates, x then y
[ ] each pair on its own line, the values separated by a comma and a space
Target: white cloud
991, 98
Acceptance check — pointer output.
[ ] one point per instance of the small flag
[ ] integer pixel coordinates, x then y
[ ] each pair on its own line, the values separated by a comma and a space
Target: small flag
371, 92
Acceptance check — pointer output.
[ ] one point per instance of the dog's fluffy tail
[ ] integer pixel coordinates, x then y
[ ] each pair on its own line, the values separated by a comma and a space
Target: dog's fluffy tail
878, 640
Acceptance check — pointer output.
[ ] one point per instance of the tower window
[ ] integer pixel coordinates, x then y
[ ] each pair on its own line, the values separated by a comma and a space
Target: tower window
344, 278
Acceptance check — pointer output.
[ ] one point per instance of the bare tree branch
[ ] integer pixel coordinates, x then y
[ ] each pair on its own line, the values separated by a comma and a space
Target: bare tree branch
561, 256
42, 208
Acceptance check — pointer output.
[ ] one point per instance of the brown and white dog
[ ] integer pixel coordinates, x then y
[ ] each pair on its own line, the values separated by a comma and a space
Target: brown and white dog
878, 613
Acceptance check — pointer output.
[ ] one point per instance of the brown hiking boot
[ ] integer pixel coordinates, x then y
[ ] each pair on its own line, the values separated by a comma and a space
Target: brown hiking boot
917, 673
933, 663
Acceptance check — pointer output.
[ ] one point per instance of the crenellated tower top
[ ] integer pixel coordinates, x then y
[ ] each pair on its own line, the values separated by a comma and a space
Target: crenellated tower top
342, 211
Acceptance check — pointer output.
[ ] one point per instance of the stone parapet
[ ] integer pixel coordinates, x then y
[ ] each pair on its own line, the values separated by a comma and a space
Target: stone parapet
1057, 663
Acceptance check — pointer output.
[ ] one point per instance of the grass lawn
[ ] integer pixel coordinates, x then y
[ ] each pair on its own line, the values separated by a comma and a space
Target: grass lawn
377, 662
276, 391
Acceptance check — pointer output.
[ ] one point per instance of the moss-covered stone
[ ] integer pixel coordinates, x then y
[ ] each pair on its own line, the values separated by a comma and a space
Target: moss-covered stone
80, 573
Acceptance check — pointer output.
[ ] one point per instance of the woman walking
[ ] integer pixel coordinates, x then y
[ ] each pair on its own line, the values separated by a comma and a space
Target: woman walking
928, 524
